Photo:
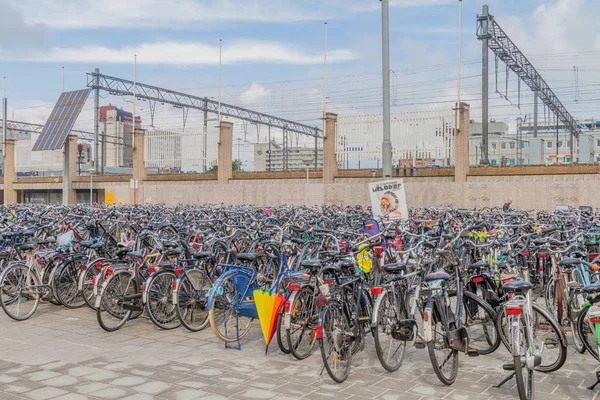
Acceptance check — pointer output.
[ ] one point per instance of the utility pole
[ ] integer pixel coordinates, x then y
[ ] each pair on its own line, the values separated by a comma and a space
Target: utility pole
205, 134
459, 60
484, 90
386, 146
4, 118
63, 79
535, 114
96, 117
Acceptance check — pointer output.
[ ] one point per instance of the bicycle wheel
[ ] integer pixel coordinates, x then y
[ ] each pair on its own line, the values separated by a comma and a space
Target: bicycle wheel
546, 332
86, 283
20, 292
335, 342
587, 332
281, 334
159, 303
389, 347
192, 292
65, 285
479, 318
110, 311
524, 378
223, 315
301, 336
443, 358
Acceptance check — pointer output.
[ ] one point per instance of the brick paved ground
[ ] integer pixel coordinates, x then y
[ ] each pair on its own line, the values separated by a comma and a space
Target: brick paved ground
64, 354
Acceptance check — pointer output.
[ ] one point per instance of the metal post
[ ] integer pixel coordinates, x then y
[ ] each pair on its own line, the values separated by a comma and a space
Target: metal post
268, 169
63, 79
220, 79
96, 116
316, 151
66, 183
205, 133
4, 118
535, 115
104, 148
556, 137
484, 89
91, 186
386, 146
459, 61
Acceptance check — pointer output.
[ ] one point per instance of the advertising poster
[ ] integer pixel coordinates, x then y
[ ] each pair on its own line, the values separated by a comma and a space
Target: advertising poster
388, 198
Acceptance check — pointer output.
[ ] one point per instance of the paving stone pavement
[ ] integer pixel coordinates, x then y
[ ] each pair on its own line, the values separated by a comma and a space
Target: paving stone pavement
63, 354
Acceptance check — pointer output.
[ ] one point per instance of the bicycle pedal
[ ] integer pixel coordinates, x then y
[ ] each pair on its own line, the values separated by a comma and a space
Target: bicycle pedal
471, 352
508, 367
419, 344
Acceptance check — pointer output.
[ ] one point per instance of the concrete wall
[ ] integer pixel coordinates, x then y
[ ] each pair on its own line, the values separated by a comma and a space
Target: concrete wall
531, 193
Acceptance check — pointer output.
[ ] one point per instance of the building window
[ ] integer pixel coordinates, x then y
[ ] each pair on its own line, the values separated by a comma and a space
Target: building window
493, 162
512, 161
522, 145
559, 144
512, 145
521, 161
549, 145
503, 146
494, 145
598, 142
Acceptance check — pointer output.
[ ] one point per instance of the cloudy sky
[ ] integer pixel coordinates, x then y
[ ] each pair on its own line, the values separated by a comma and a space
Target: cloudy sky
273, 53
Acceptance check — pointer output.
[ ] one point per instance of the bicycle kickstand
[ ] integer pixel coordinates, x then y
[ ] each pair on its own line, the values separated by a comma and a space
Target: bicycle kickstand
508, 378
597, 381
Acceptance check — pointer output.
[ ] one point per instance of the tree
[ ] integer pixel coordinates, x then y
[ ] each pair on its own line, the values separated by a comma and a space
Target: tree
236, 165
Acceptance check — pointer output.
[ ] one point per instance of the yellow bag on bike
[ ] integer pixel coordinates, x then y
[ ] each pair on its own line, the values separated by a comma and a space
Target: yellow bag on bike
364, 259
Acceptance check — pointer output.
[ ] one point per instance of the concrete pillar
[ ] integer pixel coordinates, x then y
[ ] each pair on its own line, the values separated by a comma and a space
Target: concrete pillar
329, 143
10, 173
461, 143
72, 170
139, 167
225, 153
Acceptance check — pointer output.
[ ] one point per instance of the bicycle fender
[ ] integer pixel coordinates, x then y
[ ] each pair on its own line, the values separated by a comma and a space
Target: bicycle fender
427, 319
176, 292
376, 306
287, 316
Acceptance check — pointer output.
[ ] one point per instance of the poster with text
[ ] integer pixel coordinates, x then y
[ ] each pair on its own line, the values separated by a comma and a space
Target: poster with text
388, 199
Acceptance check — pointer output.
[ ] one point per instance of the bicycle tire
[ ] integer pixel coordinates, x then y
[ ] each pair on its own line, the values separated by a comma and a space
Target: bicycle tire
222, 303
437, 317
281, 340
191, 294
13, 280
559, 341
86, 279
488, 340
524, 384
110, 313
159, 301
65, 285
382, 308
582, 327
302, 321
335, 325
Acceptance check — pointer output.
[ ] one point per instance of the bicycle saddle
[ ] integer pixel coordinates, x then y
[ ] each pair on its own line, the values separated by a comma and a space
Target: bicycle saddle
172, 252
169, 244
439, 274
26, 246
394, 267
311, 264
247, 256
135, 254
517, 286
478, 265
593, 288
569, 261
202, 254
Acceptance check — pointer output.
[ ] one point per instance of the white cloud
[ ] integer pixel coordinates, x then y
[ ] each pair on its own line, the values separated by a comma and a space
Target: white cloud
192, 14
255, 93
185, 53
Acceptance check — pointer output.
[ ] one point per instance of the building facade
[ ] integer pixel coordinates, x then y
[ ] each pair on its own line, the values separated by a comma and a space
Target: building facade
116, 126
276, 158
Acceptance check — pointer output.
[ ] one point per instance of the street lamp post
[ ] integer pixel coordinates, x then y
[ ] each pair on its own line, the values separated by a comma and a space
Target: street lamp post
91, 172
307, 162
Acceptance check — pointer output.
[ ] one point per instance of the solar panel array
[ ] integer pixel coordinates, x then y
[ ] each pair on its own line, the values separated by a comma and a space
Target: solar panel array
61, 120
